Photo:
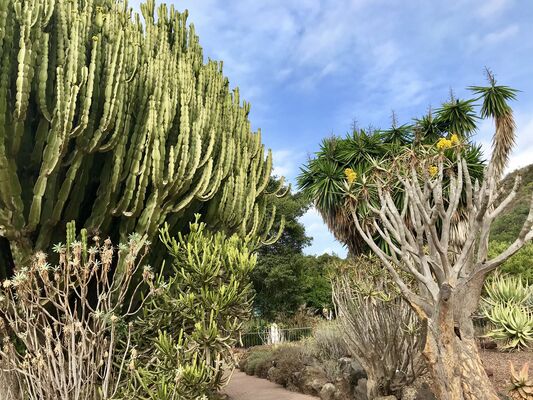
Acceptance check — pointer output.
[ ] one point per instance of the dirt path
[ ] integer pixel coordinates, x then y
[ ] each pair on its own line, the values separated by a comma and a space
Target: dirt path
244, 387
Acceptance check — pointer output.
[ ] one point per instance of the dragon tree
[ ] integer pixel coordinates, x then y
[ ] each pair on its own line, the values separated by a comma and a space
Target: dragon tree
419, 233
116, 121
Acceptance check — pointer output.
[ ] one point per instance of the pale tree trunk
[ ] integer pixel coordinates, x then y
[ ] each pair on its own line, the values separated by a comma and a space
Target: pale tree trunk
451, 352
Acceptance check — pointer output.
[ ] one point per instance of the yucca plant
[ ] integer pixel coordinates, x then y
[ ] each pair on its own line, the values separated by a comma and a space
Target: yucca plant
521, 386
513, 325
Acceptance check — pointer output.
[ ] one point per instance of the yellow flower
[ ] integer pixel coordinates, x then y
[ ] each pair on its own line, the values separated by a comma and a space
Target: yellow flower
444, 144
455, 139
433, 170
350, 174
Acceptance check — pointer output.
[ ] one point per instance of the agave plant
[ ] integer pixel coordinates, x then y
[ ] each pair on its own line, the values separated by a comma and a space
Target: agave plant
513, 325
521, 386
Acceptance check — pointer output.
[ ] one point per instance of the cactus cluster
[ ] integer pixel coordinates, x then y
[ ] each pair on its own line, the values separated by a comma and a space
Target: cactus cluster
116, 121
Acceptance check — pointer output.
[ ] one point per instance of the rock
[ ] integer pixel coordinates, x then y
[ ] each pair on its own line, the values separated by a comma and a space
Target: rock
489, 371
486, 343
327, 392
425, 393
409, 393
312, 379
351, 370
391, 397
360, 390
343, 391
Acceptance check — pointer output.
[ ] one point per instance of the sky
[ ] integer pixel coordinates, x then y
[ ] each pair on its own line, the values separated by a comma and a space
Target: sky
310, 68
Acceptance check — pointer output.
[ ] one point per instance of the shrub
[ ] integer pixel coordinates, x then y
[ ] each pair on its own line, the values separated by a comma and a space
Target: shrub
61, 324
288, 359
329, 341
520, 264
258, 362
201, 308
379, 328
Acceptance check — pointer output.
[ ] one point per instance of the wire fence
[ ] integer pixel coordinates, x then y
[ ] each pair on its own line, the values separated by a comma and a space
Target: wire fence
268, 336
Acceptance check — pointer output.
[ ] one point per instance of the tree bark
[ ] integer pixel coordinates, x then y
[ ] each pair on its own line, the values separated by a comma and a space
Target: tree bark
452, 355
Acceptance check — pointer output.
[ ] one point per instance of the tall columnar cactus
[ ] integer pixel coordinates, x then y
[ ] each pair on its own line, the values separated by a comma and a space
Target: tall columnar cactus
119, 124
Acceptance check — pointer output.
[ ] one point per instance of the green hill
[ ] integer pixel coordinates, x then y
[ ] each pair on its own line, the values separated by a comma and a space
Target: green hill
509, 223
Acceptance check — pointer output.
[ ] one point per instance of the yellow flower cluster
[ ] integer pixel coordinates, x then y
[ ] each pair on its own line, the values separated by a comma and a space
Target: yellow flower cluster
350, 174
455, 139
444, 143
433, 170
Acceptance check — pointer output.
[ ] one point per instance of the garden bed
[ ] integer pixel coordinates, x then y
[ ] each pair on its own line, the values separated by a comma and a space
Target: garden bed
295, 367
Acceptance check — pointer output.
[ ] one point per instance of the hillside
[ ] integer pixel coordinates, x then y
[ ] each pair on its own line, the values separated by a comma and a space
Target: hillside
508, 225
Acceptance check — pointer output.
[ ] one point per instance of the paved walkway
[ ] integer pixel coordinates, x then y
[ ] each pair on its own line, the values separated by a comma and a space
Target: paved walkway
245, 387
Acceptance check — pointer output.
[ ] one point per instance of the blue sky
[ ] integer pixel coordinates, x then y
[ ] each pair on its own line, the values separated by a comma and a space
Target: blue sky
312, 67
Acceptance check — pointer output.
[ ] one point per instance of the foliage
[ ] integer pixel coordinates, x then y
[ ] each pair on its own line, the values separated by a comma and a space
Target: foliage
365, 154
378, 326
199, 309
256, 362
520, 264
508, 289
118, 123
61, 325
507, 226
285, 279
521, 386
329, 342
514, 325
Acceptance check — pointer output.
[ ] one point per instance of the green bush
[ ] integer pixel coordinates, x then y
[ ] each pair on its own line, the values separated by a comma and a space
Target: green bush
520, 264
200, 310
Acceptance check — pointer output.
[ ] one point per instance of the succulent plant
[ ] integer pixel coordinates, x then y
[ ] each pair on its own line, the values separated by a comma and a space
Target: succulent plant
504, 289
521, 386
115, 121
513, 325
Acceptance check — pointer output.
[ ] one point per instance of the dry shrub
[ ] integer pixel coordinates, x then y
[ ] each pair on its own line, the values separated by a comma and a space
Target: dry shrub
329, 341
380, 329
61, 325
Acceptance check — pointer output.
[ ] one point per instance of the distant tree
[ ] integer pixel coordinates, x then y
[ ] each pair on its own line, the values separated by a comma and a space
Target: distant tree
284, 278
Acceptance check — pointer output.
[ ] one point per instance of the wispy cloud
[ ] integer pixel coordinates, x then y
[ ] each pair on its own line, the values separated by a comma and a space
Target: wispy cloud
490, 8
309, 67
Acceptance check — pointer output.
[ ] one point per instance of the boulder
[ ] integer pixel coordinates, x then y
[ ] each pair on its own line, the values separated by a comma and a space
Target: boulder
360, 390
327, 392
312, 379
352, 369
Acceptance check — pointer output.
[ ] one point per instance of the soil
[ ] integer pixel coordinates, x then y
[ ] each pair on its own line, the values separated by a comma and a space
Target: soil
497, 365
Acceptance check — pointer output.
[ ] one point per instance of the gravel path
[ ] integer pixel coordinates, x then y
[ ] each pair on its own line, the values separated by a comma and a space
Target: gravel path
245, 387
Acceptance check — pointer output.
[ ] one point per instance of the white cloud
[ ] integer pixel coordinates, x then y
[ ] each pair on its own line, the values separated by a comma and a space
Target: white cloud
490, 8
491, 39
323, 240
286, 163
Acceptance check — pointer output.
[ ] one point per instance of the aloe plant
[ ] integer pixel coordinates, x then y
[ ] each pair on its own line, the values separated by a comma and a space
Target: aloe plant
513, 325
521, 386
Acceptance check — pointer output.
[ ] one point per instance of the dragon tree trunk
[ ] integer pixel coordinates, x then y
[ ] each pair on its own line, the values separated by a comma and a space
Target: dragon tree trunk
451, 350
